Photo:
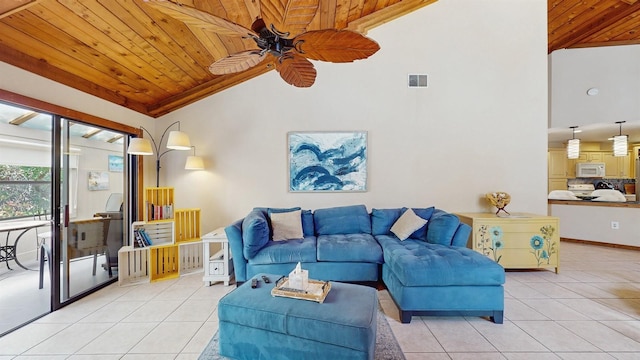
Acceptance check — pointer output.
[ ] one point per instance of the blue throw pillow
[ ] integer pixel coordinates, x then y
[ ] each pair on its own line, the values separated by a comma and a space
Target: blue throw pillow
383, 219
424, 213
342, 220
441, 227
307, 223
279, 210
255, 233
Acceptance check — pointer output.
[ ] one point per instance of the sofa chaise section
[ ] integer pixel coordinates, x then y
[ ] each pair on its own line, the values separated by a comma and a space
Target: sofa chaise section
434, 274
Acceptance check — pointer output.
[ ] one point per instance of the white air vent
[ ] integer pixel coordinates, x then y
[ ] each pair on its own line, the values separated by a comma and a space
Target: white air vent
417, 80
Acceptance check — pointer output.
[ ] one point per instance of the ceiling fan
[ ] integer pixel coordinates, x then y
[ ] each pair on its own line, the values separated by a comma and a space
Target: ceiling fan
280, 31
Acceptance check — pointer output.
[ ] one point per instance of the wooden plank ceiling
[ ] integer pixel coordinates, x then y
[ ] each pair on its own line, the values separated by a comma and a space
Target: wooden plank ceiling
592, 23
130, 54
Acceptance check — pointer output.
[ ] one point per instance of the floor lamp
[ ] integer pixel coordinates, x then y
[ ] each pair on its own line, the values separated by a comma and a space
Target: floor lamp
177, 140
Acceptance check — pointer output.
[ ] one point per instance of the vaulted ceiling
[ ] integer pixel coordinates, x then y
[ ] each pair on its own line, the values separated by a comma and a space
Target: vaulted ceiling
592, 23
131, 54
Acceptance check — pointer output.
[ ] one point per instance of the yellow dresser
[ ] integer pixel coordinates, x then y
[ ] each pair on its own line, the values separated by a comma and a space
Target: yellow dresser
518, 241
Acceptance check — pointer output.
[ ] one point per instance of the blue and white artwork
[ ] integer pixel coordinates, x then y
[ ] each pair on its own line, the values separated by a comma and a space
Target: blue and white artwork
327, 161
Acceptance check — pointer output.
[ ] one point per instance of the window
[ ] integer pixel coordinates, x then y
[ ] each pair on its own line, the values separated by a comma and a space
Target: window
24, 191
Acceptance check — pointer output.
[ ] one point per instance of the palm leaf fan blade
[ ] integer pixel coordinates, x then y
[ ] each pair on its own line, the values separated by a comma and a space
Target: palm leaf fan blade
237, 62
296, 70
200, 19
336, 46
292, 16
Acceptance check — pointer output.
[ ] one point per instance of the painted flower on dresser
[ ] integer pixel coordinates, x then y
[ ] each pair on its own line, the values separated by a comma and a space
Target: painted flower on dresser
547, 233
490, 241
543, 246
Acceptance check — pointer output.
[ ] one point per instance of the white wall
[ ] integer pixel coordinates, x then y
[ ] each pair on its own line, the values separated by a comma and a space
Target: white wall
480, 126
593, 223
614, 70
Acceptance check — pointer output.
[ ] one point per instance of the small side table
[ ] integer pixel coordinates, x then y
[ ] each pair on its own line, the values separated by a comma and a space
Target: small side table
217, 267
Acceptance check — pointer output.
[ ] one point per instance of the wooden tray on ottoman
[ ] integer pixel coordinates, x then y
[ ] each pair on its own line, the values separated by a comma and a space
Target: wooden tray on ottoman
317, 290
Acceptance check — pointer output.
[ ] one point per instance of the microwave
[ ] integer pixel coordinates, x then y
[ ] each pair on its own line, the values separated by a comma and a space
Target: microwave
590, 170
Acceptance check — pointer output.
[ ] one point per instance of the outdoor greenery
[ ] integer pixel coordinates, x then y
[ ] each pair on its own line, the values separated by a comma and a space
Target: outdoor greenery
24, 191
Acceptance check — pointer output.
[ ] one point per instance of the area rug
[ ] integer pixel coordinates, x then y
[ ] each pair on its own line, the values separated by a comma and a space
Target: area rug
387, 347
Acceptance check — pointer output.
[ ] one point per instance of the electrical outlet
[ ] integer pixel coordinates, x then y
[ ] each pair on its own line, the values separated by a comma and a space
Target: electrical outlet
615, 225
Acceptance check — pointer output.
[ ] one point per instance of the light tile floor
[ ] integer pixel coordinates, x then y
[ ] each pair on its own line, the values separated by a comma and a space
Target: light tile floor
591, 310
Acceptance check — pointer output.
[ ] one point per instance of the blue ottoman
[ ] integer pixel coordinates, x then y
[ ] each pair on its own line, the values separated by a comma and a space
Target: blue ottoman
256, 325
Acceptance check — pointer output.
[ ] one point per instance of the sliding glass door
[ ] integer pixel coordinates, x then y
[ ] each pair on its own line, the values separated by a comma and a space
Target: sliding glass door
92, 188
72, 179
25, 213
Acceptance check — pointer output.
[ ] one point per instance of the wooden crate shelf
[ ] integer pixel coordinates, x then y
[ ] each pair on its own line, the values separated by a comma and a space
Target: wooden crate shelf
158, 204
164, 262
133, 265
187, 225
160, 232
191, 260
176, 246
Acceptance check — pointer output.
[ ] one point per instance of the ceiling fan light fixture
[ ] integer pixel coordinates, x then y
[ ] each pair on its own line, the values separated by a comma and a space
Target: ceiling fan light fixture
280, 32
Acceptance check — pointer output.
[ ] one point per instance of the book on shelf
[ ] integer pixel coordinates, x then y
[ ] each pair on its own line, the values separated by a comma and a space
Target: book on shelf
138, 242
159, 212
145, 237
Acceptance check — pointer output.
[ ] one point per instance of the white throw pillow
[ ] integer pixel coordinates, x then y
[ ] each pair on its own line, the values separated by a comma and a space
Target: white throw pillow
407, 224
286, 225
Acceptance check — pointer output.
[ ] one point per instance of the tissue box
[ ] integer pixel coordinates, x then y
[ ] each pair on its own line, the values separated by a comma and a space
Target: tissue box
299, 280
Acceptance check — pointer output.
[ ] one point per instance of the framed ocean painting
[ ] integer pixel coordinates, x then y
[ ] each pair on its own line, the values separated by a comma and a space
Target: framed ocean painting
116, 163
327, 161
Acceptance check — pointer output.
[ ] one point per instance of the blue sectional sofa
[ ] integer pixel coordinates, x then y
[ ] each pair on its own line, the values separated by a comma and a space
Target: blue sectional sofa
419, 253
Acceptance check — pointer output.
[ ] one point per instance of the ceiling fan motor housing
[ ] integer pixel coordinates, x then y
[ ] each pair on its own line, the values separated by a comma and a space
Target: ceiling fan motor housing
275, 42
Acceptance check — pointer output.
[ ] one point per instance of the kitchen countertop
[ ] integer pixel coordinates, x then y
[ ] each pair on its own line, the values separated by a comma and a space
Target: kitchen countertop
628, 204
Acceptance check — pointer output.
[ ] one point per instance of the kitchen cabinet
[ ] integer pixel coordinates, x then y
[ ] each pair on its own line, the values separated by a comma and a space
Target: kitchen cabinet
518, 241
557, 163
571, 168
617, 166
558, 169
557, 184
590, 156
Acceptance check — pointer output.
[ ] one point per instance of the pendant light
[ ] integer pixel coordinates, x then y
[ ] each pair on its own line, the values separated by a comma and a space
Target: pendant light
573, 146
620, 144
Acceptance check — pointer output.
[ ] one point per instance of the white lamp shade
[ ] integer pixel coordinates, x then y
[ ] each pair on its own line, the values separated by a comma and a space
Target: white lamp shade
620, 146
139, 146
573, 149
178, 141
194, 163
